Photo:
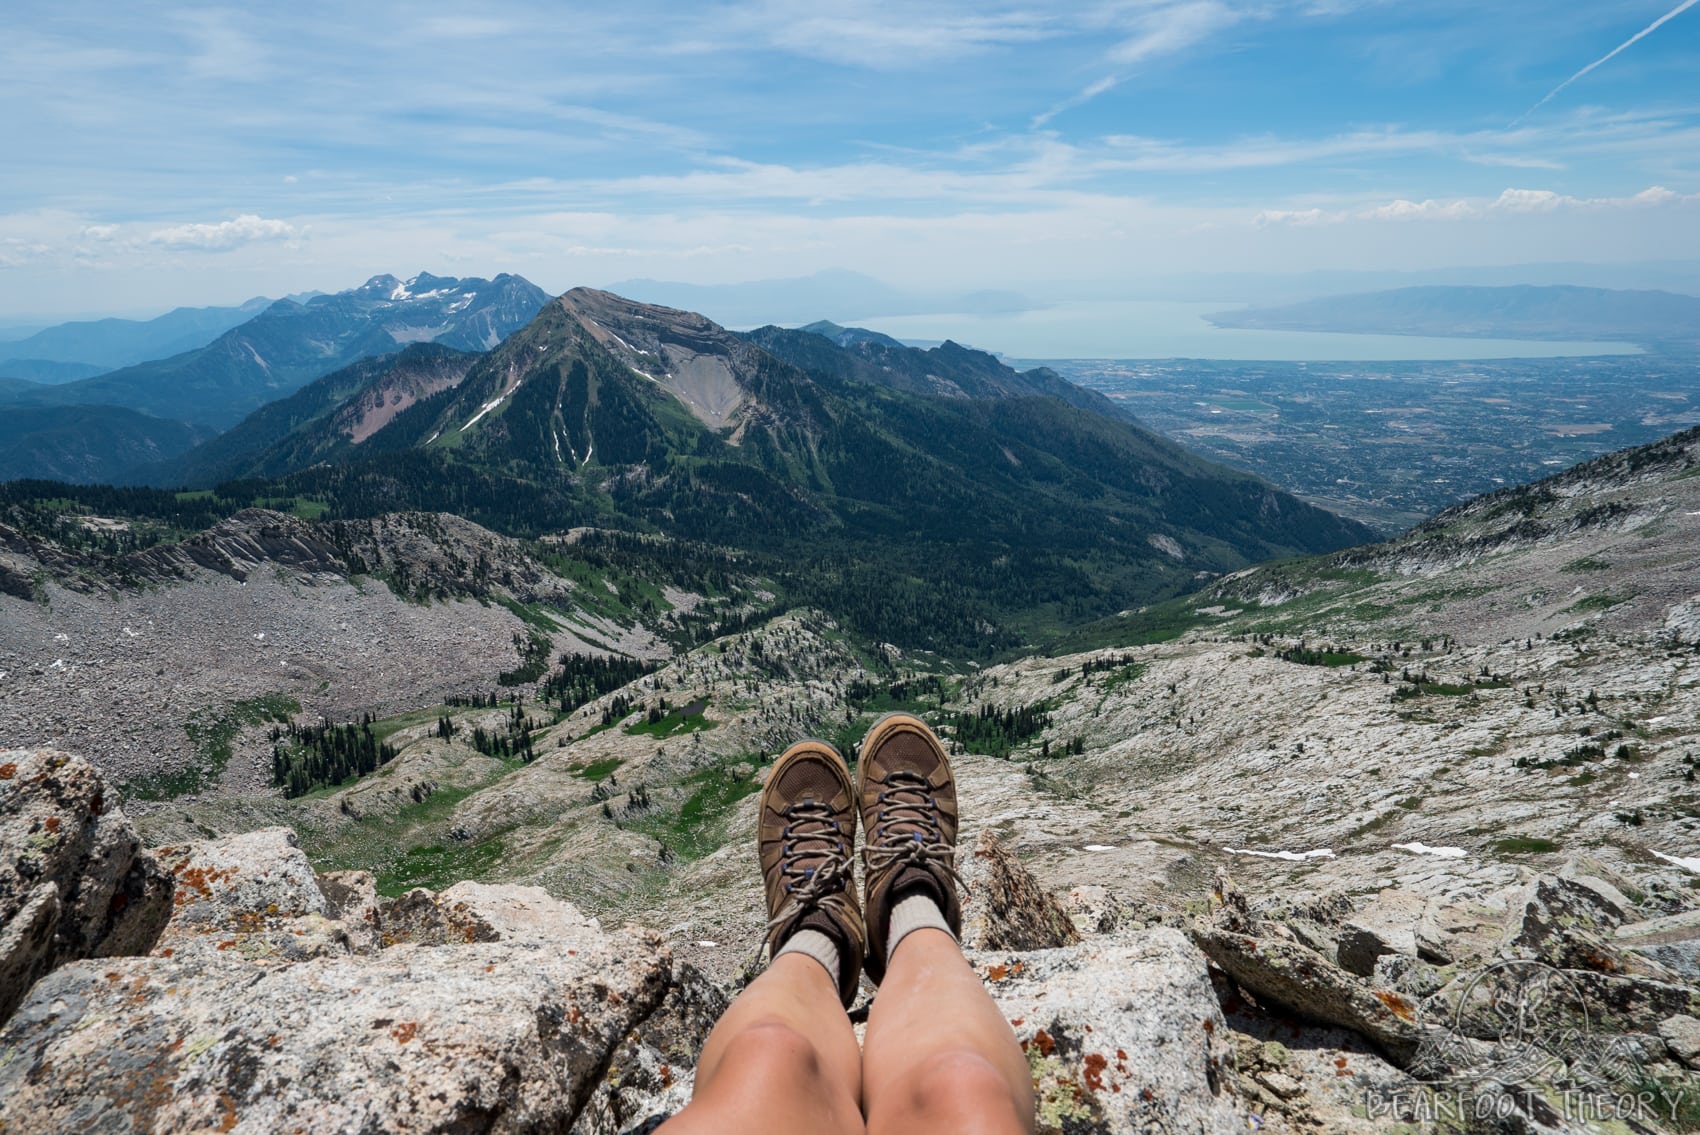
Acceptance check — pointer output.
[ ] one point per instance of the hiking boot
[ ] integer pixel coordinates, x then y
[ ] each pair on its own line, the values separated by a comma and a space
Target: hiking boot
806, 834
908, 801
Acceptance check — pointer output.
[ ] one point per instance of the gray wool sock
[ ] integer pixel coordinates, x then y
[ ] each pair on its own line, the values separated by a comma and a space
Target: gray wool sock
917, 912
813, 944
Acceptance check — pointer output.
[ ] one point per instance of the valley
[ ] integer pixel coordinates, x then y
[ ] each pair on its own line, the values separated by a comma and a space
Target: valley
1390, 443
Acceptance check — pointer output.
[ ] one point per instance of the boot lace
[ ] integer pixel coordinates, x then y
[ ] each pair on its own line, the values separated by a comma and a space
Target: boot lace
907, 801
811, 831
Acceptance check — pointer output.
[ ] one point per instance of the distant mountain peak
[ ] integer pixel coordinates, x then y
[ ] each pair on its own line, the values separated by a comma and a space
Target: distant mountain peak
848, 336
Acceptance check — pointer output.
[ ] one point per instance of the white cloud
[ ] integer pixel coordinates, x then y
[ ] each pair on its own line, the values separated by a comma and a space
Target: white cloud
1419, 211
1298, 217
222, 235
1511, 202
100, 232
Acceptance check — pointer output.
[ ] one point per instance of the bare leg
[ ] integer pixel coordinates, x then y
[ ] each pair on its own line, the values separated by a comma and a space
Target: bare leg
782, 1060
939, 1056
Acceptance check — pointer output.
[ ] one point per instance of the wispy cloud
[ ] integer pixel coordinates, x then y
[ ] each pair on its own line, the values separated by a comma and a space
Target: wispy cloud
1162, 30
222, 235
1510, 202
892, 36
1612, 54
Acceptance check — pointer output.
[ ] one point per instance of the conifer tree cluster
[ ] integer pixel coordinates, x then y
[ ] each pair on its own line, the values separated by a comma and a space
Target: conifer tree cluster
996, 731
584, 678
306, 757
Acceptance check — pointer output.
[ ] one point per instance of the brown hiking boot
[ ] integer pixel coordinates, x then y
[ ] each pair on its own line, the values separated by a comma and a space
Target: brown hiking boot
908, 801
807, 835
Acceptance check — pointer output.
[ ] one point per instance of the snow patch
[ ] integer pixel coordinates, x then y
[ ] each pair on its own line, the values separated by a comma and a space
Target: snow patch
1691, 864
488, 406
1099, 847
1425, 849
1291, 856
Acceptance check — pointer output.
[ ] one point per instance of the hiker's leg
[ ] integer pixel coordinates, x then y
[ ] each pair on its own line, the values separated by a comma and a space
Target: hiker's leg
782, 1059
939, 1056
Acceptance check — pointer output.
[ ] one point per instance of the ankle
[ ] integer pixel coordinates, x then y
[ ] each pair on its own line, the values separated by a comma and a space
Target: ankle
820, 946
914, 910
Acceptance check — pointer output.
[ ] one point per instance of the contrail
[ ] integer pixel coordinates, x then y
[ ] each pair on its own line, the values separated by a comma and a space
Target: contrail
1619, 49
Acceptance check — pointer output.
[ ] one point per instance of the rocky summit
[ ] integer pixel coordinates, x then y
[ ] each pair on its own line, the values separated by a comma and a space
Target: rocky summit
397, 823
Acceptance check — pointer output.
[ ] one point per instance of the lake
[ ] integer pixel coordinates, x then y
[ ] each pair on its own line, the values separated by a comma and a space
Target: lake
1152, 329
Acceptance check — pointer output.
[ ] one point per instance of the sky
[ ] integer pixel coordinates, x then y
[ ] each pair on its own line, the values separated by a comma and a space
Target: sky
157, 155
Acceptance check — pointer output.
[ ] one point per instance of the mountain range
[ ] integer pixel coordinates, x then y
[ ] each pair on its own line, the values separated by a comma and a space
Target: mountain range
931, 498
289, 344
56, 354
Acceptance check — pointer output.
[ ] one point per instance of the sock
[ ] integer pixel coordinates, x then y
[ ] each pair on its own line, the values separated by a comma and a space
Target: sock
915, 911
813, 944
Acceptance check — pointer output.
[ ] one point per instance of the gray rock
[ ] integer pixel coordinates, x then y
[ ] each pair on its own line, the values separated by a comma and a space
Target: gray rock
1606, 899
653, 1072
1094, 909
252, 896
1387, 925
351, 897
1552, 908
498, 1037
74, 881
1681, 1034
1004, 906
1302, 981
1672, 943
1121, 1038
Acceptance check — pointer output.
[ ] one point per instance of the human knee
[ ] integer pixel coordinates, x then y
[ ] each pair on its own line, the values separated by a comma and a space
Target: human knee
771, 1052
964, 1090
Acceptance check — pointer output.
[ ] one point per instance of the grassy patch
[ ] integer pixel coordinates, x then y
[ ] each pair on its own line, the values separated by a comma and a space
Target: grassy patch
698, 827
1525, 845
1160, 622
410, 848
1585, 564
530, 616
684, 719
438, 865
211, 732
596, 770
1423, 689
1324, 657
1597, 603
1124, 676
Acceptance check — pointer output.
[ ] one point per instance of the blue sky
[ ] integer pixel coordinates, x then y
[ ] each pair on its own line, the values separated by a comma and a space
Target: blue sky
160, 154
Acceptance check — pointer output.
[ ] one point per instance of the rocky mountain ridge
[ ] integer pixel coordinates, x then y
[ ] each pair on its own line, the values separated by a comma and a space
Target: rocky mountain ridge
289, 344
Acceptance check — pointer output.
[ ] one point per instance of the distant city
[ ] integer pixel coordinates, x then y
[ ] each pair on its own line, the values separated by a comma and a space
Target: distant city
1391, 443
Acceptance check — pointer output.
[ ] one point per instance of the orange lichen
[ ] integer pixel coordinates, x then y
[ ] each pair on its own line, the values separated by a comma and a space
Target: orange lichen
8, 770
1396, 1005
405, 1031
52, 824
1093, 1072
997, 973
1045, 1043
1340, 1068
227, 1121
